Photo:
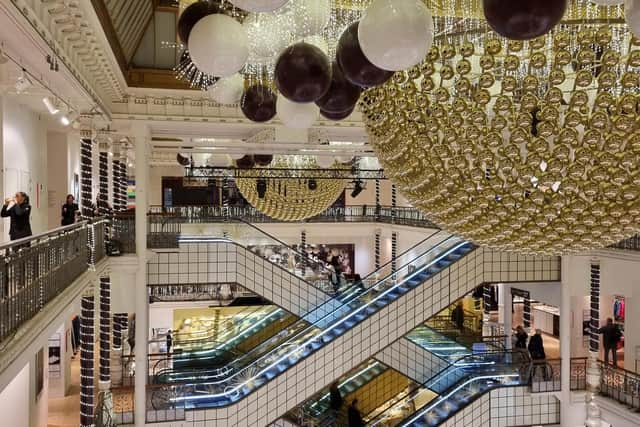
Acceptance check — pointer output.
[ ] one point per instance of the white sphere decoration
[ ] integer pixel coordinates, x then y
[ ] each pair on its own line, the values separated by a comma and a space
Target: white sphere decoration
237, 156
325, 162
228, 90
268, 36
218, 45
344, 159
632, 16
296, 116
259, 5
308, 17
219, 161
607, 2
396, 34
318, 41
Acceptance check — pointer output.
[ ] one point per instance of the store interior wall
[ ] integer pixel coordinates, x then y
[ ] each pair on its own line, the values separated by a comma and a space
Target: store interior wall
14, 400
24, 138
618, 276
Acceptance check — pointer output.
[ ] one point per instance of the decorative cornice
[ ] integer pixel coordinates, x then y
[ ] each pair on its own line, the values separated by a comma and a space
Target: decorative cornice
66, 27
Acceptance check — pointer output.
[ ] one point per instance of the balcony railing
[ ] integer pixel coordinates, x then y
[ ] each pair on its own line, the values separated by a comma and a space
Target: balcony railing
36, 269
621, 385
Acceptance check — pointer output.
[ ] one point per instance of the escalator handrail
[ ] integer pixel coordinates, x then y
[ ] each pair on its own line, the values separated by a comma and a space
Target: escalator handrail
353, 289
435, 378
459, 243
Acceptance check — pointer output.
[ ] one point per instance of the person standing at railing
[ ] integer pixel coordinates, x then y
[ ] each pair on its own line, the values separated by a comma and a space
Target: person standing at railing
18, 210
70, 211
521, 338
457, 316
611, 336
354, 416
169, 342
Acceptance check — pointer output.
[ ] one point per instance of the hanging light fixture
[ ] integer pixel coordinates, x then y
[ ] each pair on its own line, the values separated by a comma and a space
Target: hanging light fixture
50, 103
529, 147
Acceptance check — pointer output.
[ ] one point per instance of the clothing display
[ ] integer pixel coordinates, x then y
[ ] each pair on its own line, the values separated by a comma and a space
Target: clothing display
618, 309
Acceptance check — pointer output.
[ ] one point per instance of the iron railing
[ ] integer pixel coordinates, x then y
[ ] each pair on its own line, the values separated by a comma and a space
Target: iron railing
546, 375
620, 385
221, 292
630, 244
36, 269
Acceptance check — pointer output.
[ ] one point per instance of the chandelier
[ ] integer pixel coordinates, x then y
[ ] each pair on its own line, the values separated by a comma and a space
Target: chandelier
529, 147
294, 198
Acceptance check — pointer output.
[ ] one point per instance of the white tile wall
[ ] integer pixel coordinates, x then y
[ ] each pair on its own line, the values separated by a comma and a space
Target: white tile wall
412, 360
368, 338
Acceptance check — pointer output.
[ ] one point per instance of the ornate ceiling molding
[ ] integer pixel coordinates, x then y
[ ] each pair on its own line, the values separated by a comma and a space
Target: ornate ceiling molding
68, 27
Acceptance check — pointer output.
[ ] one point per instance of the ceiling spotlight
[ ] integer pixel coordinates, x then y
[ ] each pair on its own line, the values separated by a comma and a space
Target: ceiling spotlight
51, 105
23, 83
357, 188
312, 184
69, 118
261, 187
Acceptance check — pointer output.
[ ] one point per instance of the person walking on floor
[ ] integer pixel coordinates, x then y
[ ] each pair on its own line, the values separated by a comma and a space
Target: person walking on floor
169, 341
611, 336
521, 338
353, 415
335, 397
538, 356
69, 211
18, 210
457, 316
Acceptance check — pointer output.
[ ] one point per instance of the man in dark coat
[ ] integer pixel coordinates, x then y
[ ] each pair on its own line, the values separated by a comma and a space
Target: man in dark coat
19, 210
611, 336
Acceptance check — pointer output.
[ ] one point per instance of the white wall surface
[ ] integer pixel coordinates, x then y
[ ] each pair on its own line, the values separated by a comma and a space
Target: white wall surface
14, 400
24, 140
57, 176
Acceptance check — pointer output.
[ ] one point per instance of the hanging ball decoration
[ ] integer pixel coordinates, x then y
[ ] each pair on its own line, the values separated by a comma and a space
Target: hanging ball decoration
219, 161
318, 41
325, 161
259, 5
296, 116
309, 17
236, 156
259, 103
228, 90
354, 64
523, 19
268, 36
218, 45
191, 15
341, 115
632, 16
263, 159
183, 160
342, 94
303, 73
396, 34
246, 162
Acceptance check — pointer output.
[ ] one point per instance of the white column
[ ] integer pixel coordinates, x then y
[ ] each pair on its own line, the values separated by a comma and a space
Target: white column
565, 345
141, 349
506, 302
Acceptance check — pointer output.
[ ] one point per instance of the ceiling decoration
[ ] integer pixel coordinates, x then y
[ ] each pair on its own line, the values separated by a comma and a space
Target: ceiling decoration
295, 198
129, 19
520, 146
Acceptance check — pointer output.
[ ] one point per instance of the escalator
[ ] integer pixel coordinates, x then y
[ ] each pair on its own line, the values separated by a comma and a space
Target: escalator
355, 329
337, 304
457, 386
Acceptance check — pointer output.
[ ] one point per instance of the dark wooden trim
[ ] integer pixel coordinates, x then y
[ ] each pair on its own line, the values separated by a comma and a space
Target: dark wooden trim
154, 78
110, 32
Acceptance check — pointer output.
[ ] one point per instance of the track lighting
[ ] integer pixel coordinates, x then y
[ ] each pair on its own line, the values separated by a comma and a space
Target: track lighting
50, 103
69, 118
23, 83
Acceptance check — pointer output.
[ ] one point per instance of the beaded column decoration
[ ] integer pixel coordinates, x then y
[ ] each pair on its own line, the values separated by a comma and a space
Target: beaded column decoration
394, 202
105, 328
394, 251
376, 250
526, 313
103, 196
123, 185
377, 198
86, 194
303, 250
86, 361
594, 323
115, 173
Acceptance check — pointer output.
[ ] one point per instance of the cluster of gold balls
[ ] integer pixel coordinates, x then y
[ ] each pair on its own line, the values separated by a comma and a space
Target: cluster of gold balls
291, 199
530, 147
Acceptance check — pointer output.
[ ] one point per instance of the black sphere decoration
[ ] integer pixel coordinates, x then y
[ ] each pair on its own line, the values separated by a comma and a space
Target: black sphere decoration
303, 73
355, 66
183, 160
263, 159
342, 94
192, 15
523, 19
337, 116
246, 162
259, 103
